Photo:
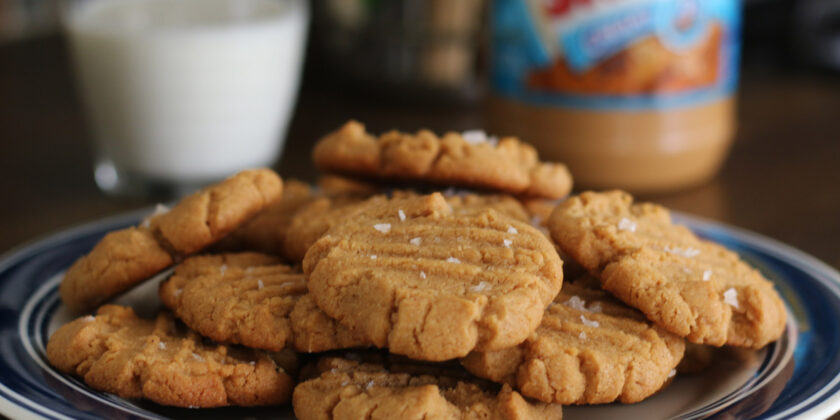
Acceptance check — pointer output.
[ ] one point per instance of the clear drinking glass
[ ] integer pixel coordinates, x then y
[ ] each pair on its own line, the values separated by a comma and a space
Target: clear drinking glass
180, 93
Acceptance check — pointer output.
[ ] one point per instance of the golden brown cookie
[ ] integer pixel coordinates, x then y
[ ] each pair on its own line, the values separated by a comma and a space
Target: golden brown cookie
693, 288
117, 352
347, 389
249, 299
589, 349
411, 276
266, 232
127, 257
336, 186
507, 165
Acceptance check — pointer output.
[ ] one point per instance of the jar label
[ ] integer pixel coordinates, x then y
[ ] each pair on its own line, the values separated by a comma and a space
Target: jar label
615, 54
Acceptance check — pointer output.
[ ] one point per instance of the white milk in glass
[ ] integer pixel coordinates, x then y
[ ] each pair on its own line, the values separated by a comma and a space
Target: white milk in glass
186, 91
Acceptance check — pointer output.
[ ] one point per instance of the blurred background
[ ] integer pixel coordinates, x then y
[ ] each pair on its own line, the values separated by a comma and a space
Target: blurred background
423, 64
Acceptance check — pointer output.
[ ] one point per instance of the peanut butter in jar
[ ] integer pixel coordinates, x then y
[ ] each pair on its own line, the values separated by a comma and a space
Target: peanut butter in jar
632, 94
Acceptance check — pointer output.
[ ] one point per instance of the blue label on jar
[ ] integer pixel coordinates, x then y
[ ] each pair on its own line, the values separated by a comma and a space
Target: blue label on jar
615, 54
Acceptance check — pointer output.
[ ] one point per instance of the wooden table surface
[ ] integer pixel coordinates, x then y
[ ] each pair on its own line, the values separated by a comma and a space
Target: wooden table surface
782, 178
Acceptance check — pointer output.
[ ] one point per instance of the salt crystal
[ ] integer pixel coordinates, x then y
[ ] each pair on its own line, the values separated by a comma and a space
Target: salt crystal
373, 257
582, 335
89, 318
344, 382
596, 307
481, 287
589, 323
707, 275
383, 227
512, 230
402, 215
198, 357
672, 373
260, 284
474, 136
507, 243
222, 269
536, 221
178, 292
369, 385
686, 270
576, 303
453, 260
627, 224
252, 363
730, 296
416, 241
249, 270
687, 252
423, 274
162, 345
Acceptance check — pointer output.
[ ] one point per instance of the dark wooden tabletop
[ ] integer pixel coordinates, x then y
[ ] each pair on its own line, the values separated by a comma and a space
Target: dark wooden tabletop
781, 180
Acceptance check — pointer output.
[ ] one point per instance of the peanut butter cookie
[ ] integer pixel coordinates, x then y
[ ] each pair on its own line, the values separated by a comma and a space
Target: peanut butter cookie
411, 276
589, 349
251, 299
347, 389
127, 257
693, 288
507, 165
117, 352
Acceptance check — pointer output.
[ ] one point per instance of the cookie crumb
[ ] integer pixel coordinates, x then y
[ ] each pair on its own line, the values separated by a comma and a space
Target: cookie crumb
589, 323
423, 274
383, 227
416, 241
402, 215
730, 297
707, 275
507, 243
260, 284
576, 303
453, 260
512, 230
482, 286
627, 224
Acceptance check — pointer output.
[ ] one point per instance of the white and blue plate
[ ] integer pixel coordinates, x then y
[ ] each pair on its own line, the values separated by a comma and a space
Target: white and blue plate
797, 376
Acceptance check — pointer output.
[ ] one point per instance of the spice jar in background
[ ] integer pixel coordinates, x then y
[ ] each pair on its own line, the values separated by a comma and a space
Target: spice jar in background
633, 94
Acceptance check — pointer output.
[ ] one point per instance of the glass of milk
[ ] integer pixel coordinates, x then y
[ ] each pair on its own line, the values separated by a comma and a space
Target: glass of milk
180, 93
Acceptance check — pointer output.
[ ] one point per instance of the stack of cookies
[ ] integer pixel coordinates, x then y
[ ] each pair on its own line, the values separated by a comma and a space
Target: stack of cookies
389, 291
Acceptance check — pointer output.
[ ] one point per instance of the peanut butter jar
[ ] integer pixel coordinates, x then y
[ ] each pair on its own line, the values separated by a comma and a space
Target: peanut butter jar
632, 94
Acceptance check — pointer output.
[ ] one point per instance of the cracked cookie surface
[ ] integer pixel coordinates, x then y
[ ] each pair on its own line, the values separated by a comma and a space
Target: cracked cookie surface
347, 389
254, 300
507, 165
589, 349
129, 256
411, 276
117, 352
694, 288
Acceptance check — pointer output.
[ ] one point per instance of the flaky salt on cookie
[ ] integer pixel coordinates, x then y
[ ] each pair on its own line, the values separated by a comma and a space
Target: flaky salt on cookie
126, 257
506, 165
348, 389
117, 352
589, 349
694, 288
412, 276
